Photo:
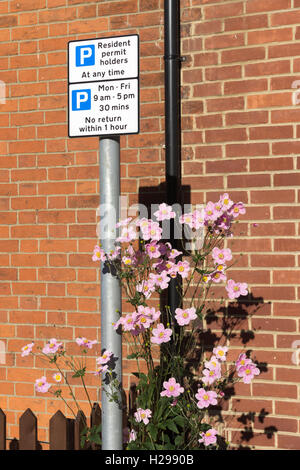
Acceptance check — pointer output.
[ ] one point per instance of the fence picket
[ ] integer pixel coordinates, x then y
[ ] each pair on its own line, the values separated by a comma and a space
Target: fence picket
59, 430
95, 421
2, 430
28, 431
79, 425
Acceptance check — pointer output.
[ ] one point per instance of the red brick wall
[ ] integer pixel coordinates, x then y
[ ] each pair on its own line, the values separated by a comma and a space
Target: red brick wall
240, 134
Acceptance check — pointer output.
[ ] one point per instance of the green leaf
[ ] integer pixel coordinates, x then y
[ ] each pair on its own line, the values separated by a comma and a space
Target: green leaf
172, 426
79, 373
133, 356
179, 440
180, 421
153, 431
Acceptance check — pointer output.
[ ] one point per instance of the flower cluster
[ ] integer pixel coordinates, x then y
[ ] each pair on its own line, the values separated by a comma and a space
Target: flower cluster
246, 368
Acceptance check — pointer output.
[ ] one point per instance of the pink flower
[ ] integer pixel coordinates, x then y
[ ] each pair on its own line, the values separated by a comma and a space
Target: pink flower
113, 254
129, 321
174, 253
146, 288
225, 201
208, 437
218, 276
211, 213
142, 415
235, 289
127, 234
149, 312
172, 388
220, 256
161, 334
99, 254
26, 350
242, 360
101, 369
237, 209
152, 250
224, 223
206, 398
212, 364
51, 347
210, 375
104, 358
160, 280
57, 377
183, 268
124, 222
220, 352
132, 435
151, 231
85, 342
198, 218
41, 385
187, 219
164, 212
143, 321
248, 372
127, 260
184, 317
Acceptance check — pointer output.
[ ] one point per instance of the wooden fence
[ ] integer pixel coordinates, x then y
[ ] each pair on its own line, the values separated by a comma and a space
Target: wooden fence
64, 433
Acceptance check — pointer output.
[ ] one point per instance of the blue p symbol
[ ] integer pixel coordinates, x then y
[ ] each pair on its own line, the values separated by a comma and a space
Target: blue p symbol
81, 100
85, 55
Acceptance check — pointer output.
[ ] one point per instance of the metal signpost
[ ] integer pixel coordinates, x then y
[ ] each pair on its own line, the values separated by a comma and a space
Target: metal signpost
104, 101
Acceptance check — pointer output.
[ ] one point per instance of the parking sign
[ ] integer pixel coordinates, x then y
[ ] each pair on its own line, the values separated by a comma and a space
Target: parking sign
104, 86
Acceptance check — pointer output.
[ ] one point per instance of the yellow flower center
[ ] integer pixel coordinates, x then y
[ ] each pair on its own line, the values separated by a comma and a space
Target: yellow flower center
211, 372
172, 388
248, 371
185, 315
98, 254
221, 353
205, 397
181, 268
226, 201
143, 320
161, 335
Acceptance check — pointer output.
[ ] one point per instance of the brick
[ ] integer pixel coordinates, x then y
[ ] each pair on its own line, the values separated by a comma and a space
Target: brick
270, 132
223, 11
267, 68
239, 181
268, 100
255, 6
270, 35
290, 179
243, 54
247, 150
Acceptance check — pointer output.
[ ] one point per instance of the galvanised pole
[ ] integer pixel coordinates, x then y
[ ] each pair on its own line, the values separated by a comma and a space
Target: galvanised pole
112, 432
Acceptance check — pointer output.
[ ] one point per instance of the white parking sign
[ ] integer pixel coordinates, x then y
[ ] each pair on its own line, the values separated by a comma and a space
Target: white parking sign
104, 86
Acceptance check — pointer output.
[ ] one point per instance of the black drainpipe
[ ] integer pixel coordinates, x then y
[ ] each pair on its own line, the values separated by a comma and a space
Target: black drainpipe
172, 123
